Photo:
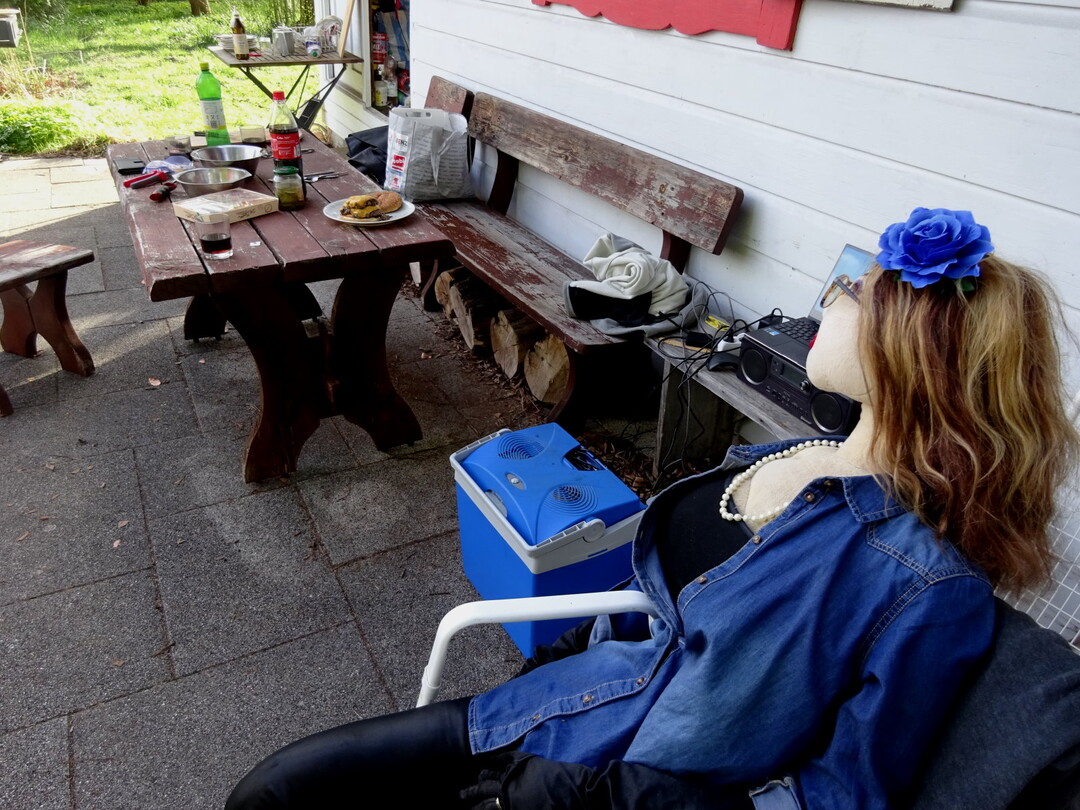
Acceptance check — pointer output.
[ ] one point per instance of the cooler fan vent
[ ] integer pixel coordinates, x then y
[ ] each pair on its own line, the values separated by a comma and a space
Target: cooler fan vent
573, 499
516, 447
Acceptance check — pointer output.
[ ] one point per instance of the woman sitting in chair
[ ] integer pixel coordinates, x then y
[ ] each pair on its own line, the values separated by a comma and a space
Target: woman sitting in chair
820, 602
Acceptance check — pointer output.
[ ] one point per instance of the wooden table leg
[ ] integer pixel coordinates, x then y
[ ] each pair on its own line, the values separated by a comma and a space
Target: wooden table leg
17, 333
203, 319
291, 375
49, 309
365, 394
5, 403
43, 312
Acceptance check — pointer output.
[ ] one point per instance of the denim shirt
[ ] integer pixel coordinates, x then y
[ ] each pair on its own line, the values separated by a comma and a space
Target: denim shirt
829, 647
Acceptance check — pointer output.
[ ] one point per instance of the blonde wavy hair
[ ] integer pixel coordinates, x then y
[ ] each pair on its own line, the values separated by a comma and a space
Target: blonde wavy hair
971, 429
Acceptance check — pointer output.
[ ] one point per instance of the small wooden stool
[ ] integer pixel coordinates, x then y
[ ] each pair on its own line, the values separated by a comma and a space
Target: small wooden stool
44, 312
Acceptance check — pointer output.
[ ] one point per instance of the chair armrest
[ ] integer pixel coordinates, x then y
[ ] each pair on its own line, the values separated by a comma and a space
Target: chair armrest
526, 609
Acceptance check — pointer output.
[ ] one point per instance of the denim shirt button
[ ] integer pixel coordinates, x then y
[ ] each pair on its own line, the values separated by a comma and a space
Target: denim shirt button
755, 539
639, 681
702, 580
587, 699
536, 717
809, 497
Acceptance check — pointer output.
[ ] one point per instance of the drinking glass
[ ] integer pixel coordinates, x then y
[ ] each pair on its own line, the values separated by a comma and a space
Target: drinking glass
215, 236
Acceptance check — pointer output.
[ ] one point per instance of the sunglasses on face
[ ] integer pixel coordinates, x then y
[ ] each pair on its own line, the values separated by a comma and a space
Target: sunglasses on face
842, 285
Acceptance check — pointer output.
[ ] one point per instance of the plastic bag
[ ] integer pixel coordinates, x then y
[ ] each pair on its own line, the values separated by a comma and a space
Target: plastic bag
428, 155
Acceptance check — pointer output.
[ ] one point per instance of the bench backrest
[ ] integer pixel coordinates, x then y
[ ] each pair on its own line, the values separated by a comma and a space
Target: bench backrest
687, 205
445, 95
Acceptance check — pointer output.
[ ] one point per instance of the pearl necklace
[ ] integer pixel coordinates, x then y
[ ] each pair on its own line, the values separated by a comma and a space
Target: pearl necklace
748, 473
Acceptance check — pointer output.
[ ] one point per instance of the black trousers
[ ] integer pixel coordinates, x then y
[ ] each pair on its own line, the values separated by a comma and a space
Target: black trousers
422, 755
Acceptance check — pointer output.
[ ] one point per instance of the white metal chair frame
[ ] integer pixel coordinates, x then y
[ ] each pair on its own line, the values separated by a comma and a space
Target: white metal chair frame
530, 608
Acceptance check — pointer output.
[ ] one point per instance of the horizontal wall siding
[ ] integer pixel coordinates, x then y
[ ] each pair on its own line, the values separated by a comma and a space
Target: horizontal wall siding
876, 110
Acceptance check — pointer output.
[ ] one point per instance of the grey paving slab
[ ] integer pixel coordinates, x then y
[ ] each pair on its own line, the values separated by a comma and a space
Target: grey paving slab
129, 305
67, 231
186, 743
88, 427
242, 576
73, 649
68, 522
442, 425
86, 192
30, 380
22, 181
399, 598
224, 385
34, 767
87, 278
195, 471
85, 171
383, 505
20, 164
463, 380
119, 268
39, 223
409, 336
125, 356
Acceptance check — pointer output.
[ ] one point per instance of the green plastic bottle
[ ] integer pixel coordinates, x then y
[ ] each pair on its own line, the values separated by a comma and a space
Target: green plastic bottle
213, 111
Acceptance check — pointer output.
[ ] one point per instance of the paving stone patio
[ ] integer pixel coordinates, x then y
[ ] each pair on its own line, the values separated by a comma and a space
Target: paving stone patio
164, 625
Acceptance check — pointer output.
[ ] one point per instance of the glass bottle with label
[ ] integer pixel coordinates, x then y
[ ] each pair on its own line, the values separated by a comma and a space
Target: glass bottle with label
288, 188
213, 111
284, 134
239, 36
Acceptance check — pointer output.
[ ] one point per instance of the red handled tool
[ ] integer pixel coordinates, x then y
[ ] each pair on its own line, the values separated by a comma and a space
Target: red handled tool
147, 179
160, 194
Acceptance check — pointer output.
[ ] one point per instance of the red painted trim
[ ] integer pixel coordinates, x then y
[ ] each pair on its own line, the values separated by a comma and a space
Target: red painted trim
772, 22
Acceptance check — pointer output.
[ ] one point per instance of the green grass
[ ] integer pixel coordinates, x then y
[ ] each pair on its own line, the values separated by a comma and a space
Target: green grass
127, 72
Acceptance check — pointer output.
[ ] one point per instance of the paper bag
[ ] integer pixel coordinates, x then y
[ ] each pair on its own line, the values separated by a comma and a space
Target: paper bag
427, 155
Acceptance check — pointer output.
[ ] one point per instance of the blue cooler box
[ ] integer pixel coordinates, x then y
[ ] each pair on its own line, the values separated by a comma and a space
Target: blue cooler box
539, 515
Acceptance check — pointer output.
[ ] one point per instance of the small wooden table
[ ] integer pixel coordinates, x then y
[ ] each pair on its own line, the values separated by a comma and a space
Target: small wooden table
262, 292
307, 113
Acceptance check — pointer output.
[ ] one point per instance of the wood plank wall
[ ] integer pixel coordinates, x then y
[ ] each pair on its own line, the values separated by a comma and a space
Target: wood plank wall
876, 110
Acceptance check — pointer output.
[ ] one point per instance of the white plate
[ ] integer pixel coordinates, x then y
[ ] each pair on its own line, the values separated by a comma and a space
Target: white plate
333, 210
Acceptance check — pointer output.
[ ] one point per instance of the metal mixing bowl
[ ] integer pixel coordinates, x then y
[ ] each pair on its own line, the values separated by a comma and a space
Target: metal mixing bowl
205, 181
238, 155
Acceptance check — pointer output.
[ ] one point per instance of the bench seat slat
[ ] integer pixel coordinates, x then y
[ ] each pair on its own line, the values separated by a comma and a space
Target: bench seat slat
523, 268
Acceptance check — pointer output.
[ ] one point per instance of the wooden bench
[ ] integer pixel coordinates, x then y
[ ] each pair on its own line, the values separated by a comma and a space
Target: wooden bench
691, 209
43, 311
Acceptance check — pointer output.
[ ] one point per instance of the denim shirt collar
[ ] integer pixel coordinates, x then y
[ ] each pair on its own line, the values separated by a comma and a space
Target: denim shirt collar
864, 494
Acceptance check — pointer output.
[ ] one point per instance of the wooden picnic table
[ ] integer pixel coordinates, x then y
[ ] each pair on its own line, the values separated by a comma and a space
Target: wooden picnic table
261, 290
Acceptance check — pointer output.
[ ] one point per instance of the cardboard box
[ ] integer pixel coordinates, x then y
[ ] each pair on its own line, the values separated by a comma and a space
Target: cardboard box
238, 203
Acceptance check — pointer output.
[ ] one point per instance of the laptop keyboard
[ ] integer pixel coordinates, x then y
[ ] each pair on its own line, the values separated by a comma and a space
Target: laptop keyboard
799, 328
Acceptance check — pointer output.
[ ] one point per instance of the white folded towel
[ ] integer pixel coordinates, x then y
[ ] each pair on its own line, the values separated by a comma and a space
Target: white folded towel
625, 270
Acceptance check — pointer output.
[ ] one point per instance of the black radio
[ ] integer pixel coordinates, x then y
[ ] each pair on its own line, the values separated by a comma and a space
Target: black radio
783, 380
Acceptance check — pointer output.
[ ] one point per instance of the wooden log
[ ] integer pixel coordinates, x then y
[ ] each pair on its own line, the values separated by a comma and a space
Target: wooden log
443, 283
199, 7
474, 304
547, 370
513, 333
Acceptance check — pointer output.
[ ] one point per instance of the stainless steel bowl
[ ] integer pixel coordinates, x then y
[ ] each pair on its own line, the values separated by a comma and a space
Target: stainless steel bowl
204, 181
238, 155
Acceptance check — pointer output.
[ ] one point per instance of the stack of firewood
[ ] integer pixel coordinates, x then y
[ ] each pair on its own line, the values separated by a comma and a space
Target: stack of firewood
491, 326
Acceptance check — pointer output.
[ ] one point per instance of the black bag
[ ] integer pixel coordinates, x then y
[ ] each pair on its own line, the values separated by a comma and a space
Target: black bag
367, 152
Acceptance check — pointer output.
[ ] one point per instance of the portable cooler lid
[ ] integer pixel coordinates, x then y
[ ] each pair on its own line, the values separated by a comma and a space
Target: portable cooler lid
543, 482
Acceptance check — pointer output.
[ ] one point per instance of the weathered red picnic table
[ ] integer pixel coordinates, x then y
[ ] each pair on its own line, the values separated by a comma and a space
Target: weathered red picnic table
262, 292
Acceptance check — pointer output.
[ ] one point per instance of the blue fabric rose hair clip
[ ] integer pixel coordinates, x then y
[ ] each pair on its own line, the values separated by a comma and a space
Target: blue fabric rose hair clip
935, 244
